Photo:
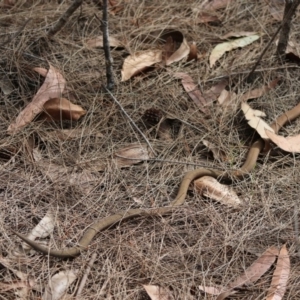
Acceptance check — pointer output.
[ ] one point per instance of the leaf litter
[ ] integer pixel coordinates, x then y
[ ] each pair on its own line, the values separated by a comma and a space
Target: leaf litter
72, 151
52, 87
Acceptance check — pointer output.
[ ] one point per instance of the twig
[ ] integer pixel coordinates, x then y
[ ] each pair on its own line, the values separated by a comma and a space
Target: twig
85, 276
289, 11
108, 58
129, 118
16, 34
248, 77
286, 19
64, 18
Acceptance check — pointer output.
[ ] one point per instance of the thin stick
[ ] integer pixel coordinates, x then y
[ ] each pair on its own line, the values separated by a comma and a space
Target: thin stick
289, 11
263, 53
85, 276
108, 58
129, 118
286, 19
64, 18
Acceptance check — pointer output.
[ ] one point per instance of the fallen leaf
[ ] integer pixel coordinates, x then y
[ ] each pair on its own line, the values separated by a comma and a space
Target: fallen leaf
276, 8
227, 98
224, 295
220, 49
280, 276
260, 91
42, 71
139, 62
214, 4
98, 42
175, 48
130, 155
288, 144
43, 229
257, 269
206, 18
232, 34
254, 120
6, 86
157, 293
193, 52
192, 90
215, 91
115, 6
61, 109
211, 289
59, 284
218, 154
211, 188
292, 50
52, 87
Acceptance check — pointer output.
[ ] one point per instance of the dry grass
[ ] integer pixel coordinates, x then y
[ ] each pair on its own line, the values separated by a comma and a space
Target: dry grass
202, 242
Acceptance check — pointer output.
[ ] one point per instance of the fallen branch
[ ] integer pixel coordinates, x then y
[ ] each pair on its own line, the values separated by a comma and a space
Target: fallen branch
289, 12
108, 58
64, 18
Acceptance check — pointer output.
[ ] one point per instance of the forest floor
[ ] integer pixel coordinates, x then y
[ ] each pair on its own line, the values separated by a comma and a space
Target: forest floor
203, 242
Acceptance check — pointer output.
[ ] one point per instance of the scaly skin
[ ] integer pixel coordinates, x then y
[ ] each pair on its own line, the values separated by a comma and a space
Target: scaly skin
179, 200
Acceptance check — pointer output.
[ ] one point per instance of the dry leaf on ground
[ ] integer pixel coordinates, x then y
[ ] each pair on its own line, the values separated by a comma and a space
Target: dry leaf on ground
220, 49
61, 109
43, 229
292, 50
280, 276
289, 144
233, 34
211, 188
226, 294
227, 98
6, 86
175, 47
217, 152
139, 62
254, 120
214, 4
215, 91
98, 42
157, 293
59, 284
193, 52
259, 91
192, 90
276, 9
212, 290
257, 269
204, 17
130, 155
42, 71
52, 87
